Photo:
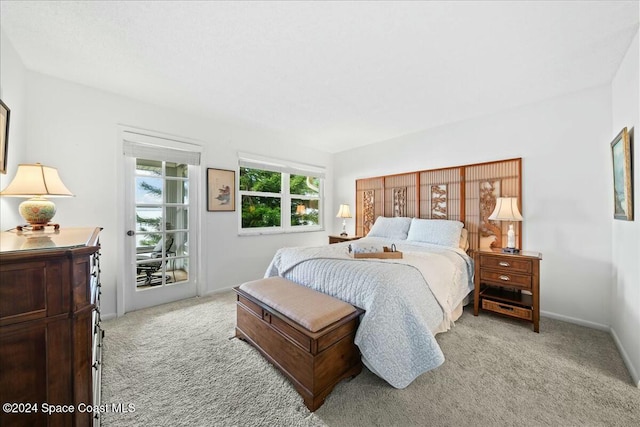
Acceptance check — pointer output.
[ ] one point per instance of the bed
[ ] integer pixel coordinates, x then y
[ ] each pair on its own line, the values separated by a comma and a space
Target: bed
407, 301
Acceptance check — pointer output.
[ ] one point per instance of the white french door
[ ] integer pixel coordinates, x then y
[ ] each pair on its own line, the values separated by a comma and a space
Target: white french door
161, 192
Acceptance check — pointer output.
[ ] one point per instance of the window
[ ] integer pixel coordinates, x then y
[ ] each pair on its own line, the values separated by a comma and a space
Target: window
278, 196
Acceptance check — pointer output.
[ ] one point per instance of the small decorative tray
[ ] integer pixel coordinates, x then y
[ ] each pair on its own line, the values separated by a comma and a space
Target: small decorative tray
386, 254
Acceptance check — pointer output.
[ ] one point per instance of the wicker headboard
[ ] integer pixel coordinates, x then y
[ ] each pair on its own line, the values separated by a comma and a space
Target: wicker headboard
465, 193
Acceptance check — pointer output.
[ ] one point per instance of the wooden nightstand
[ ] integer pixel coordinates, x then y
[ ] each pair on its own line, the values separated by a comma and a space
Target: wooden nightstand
508, 284
338, 239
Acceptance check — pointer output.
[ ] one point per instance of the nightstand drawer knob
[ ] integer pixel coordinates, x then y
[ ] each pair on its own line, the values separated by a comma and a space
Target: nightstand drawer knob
505, 278
504, 264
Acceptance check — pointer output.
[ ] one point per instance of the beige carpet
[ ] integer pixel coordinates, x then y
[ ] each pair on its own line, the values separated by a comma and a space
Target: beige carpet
176, 366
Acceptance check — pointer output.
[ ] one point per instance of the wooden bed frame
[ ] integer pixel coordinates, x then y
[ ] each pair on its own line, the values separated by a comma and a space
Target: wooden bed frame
465, 193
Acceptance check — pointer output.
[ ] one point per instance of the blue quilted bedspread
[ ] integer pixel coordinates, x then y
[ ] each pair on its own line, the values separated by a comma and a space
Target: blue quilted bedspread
395, 334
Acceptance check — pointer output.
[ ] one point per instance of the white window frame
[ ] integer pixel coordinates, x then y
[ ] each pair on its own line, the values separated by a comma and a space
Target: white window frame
286, 169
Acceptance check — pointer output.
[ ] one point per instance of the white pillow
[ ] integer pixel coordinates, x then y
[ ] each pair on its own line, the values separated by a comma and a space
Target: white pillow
436, 231
390, 228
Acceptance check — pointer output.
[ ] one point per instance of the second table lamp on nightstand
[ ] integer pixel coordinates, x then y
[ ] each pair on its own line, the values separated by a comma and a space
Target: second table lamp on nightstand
344, 213
507, 210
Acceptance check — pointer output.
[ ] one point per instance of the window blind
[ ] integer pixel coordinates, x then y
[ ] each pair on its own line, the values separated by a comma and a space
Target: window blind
254, 161
161, 149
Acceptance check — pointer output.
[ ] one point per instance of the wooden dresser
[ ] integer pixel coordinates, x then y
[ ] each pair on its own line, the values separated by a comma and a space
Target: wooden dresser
50, 335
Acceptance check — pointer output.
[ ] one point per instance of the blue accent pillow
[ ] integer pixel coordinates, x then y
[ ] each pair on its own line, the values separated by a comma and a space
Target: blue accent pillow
441, 232
390, 228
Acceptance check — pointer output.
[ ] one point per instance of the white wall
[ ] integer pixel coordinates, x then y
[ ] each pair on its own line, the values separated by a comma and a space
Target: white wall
625, 303
12, 93
564, 143
75, 128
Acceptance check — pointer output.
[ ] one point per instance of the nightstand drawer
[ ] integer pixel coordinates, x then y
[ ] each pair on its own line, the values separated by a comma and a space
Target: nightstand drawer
505, 263
506, 279
508, 309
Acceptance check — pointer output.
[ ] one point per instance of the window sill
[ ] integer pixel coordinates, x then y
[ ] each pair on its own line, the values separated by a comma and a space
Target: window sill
262, 232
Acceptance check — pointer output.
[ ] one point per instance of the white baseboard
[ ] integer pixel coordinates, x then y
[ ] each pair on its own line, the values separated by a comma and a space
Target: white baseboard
576, 321
107, 316
632, 370
218, 291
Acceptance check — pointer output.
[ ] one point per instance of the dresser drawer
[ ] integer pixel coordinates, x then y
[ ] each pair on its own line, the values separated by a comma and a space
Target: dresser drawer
506, 264
508, 309
506, 279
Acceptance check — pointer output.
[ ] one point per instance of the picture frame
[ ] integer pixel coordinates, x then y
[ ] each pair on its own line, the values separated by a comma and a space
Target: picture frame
5, 113
221, 190
622, 176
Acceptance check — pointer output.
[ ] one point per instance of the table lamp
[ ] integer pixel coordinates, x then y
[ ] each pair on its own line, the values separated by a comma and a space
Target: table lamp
507, 210
344, 213
37, 182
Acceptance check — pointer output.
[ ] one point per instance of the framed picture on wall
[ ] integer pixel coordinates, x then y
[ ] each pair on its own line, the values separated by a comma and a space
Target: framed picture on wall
4, 135
221, 190
622, 176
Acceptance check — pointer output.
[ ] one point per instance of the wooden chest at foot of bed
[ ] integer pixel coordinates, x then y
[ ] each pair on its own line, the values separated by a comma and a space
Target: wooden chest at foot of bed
307, 335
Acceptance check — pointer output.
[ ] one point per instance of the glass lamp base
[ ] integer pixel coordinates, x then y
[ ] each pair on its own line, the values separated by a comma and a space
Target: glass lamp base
344, 228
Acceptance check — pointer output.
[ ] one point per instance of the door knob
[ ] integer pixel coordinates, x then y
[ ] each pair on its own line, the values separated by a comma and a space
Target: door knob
131, 233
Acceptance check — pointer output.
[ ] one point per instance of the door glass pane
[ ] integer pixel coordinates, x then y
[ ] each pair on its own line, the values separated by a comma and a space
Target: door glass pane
176, 170
150, 264
148, 219
148, 190
147, 242
150, 273
177, 218
148, 167
177, 191
179, 241
176, 266
178, 269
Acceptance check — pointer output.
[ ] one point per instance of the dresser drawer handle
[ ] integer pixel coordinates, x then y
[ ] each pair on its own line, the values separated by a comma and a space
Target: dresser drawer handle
505, 307
504, 264
505, 278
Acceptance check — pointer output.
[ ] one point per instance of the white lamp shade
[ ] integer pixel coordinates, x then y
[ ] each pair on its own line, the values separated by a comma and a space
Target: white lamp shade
36, 180
506, 210
344, 212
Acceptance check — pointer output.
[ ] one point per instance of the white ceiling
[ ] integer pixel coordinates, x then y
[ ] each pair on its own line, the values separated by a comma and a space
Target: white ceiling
334, 75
